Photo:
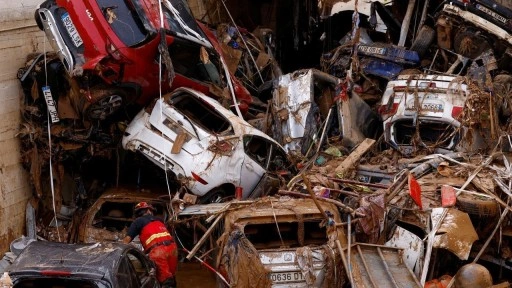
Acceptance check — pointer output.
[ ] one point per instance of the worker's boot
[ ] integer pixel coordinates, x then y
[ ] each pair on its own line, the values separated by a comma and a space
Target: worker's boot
169, 283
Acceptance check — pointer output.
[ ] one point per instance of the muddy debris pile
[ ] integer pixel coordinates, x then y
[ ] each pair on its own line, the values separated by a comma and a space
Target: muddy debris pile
387, 164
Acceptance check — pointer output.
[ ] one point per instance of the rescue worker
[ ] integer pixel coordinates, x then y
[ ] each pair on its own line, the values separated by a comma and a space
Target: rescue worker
156, 241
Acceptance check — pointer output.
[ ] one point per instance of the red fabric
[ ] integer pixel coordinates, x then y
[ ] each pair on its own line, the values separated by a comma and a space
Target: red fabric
153, 233
415, 191
166, 261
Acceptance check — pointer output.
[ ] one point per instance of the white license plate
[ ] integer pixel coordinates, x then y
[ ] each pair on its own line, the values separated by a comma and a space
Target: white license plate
283, 277
372, 50
492, 14
70, 27
431, 107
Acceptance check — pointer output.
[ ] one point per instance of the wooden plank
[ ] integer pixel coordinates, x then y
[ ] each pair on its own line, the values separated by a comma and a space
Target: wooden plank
178, 143
354, 157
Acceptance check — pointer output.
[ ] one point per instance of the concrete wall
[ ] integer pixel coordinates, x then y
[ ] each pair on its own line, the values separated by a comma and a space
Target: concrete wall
18, 37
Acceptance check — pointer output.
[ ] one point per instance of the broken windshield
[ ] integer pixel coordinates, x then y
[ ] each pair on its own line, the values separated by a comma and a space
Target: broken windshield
123, 19
285, 234
180, 21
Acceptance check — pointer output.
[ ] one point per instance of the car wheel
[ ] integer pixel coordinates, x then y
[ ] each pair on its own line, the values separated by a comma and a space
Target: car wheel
475, 205
218, 195
423, 40
106, 101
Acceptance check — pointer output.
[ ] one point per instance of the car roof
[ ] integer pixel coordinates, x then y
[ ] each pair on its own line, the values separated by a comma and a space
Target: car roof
268, 207
134, 194
91, 261
241, 126
280, 208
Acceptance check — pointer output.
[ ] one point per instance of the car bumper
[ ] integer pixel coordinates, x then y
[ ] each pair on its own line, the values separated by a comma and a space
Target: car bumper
55, 37
285, 272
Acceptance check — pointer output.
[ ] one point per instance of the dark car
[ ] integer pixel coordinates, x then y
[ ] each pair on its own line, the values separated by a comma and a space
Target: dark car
101, 265
110, 216
113, 45
477, 26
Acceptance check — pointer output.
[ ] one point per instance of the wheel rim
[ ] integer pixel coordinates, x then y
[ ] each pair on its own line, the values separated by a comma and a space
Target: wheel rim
105, 107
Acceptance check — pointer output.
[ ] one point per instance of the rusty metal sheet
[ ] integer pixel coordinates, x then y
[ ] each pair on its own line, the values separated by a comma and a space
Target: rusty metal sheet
456, 233
380, 266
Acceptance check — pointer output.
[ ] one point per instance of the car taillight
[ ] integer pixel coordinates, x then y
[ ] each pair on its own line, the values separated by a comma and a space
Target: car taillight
456, 110
199, 179
388, 110
427, 85
55, 273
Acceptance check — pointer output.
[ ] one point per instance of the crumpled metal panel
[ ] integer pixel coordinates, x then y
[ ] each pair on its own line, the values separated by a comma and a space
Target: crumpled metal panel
412, 245
456, 233
292, 102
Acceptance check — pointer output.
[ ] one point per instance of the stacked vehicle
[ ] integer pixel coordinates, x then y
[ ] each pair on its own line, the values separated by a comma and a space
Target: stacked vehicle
398, 134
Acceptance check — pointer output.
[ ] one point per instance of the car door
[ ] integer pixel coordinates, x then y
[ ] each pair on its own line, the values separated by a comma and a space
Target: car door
136, 270
256, 150
276, 166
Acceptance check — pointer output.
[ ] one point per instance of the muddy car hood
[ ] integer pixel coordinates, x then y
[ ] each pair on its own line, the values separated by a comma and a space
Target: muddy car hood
95, 261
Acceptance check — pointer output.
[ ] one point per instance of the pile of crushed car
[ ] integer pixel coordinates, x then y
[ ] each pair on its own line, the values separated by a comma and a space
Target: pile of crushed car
386, 165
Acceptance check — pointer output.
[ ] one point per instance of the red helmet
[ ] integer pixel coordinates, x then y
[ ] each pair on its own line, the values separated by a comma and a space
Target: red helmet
143, 205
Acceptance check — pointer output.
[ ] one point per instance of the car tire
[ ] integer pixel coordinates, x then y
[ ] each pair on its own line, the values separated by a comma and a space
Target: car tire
218, 195
423, 40
474, 205
105, 102
468, 43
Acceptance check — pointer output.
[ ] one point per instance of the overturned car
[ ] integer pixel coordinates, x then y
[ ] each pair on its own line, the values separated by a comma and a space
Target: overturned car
114, 48
309, 106
420, 111
206, 147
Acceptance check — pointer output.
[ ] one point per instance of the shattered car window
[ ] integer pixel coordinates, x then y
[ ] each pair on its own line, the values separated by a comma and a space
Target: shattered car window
257, 148
115, 216
290, 234
126, 274
201, 113
431, 133
123, 19
180, 20
186, 60
141, 270
278, 159
56, 283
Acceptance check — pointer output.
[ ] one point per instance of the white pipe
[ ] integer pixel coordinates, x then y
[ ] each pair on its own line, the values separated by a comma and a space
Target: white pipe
406, 23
